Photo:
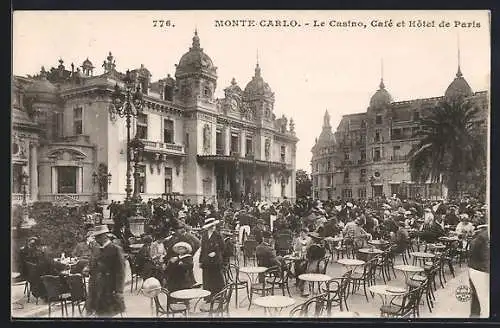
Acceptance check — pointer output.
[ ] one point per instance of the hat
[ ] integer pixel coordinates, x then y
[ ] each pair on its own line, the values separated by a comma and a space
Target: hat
181, 214
386, 207
100, 229
464, 216
33, 238
349, 204
407, 212
481, 226
413, 210
209, 222
484, 207
176, 246
427, 210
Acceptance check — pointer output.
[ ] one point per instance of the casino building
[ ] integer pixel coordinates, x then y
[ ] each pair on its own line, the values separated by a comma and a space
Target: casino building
367, 154
72, 147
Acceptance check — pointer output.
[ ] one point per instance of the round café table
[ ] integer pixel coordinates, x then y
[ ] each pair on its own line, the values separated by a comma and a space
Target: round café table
252, 274
408, 269
274, 304
315, 277
351, 264
370, 252
188, 295
422, 256
67, 262
387, 293
378, 243
435, 247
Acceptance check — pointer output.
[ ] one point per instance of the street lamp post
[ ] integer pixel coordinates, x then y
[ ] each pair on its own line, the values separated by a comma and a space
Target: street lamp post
137, 148
24, 184
128, 103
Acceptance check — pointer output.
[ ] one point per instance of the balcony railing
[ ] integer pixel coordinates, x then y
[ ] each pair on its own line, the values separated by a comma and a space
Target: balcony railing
361, 161
377, 159
399, 157
162, 146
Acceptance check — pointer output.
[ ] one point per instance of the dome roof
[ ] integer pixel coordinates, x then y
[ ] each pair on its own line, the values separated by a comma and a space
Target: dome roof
195, 60
458, 87
326, 138
42, 89
87, 64
381, 97
257, 86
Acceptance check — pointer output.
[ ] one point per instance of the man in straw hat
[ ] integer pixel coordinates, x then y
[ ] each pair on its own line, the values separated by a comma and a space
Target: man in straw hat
179, 272
211, 256
107, 277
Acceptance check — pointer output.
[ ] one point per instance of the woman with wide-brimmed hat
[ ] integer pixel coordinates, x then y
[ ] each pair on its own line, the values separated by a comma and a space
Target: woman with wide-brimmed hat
211, 256
179, 271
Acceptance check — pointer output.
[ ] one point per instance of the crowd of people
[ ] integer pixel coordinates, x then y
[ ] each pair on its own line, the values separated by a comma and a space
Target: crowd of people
185, 244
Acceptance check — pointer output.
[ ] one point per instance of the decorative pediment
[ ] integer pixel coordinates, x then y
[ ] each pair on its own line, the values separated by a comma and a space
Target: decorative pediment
66, 155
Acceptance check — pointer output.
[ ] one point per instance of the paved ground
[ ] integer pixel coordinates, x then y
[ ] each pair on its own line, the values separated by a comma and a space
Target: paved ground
446, 305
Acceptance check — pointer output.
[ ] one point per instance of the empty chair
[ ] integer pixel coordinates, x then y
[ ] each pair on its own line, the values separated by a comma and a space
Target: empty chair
249, 247
56, 293
219, 303
232, 276
78, 292
167, 306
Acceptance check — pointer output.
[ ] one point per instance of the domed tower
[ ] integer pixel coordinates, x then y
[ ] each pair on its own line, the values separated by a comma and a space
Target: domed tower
381, 98
259, 96
379, 119
196, 75
326, 138
458, 88
41, 99
88, 68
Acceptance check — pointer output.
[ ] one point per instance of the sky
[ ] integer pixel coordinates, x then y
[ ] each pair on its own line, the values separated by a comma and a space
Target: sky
310, 68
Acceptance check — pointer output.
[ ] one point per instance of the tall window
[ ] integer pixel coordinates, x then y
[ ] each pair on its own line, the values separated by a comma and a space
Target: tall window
396, 134
169, 93
376, 155
142, 126
329, 166
235, 143
394, 189
17, 171
362, 192
377, 136
347, 155
363, 124
346, 177
207, 92
249, 145
58, 125
362, 175
416, 115
363, 139
168, 180
395, 152
283, 153
346, 193
66, 179
78, 121
363, 155
378, 119
219, 143
186, 141
168, 131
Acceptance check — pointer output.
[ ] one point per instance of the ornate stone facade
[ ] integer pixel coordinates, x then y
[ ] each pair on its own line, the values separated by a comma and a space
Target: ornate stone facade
195, 144
367, 155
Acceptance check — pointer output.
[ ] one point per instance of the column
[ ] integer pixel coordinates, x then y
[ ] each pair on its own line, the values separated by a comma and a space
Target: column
54, 179
33, 172
243, 139
227, 141
79, 180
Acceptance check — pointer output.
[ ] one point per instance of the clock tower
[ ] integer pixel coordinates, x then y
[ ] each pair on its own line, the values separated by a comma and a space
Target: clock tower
196, 78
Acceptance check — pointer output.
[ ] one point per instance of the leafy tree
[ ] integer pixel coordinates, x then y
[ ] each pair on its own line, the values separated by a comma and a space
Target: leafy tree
303, 184
451, 146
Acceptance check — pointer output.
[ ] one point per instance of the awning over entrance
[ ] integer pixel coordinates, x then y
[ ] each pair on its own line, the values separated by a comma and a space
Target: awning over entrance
241, 160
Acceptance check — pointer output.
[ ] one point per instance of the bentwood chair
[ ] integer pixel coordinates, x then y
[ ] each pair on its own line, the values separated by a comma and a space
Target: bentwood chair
56, 293
219, 303
167, 306
232, 276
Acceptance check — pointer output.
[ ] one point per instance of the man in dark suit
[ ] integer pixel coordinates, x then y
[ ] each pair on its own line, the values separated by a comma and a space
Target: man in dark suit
107, 277
265, 254
211, 257
180, 234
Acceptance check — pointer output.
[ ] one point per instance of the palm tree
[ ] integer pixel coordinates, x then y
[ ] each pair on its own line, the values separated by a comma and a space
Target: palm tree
451, 145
